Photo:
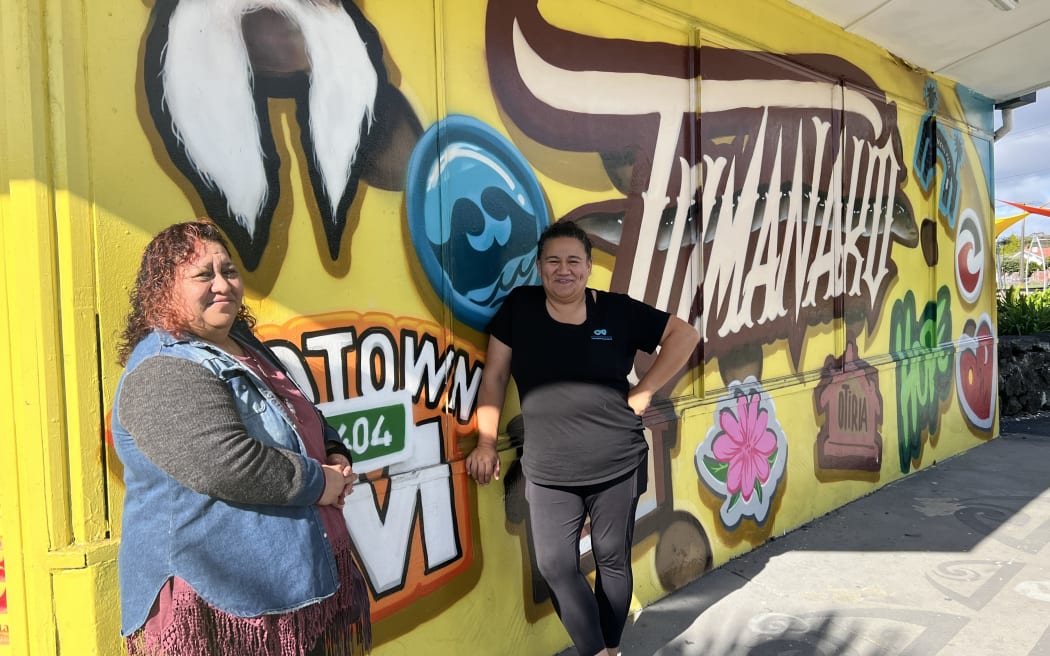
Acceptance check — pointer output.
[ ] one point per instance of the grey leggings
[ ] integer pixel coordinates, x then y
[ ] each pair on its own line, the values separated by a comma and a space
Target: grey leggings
594, 619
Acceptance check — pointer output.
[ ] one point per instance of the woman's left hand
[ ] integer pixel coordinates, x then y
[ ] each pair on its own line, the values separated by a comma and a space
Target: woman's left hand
639, 400
339, 460
678, 342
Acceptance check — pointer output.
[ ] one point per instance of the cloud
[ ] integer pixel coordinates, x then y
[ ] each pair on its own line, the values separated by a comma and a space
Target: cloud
1022, 169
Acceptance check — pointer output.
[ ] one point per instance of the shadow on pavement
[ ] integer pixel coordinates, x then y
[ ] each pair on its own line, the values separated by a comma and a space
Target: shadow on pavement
950, 560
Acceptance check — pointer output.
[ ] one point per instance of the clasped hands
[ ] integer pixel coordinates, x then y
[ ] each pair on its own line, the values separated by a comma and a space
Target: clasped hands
338, 481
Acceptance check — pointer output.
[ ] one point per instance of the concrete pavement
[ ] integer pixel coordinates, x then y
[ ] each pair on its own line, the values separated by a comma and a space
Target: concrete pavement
953, 560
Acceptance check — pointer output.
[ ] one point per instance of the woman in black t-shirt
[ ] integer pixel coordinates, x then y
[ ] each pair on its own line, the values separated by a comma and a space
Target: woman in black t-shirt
570, 350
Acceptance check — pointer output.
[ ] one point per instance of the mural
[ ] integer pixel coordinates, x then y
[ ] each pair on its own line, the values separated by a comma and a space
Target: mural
977, 374
475, 211
401, 399
819, 213
848, 397
785, 208
924, 382
210, 68
937, 145
744, 456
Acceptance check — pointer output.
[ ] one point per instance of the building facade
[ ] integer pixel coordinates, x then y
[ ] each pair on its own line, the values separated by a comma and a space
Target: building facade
818, 209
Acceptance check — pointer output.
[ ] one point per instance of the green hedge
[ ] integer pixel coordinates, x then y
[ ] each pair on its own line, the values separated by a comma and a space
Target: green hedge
1023, 314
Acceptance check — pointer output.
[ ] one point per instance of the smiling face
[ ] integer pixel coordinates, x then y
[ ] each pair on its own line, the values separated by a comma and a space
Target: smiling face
209, 290
564, 269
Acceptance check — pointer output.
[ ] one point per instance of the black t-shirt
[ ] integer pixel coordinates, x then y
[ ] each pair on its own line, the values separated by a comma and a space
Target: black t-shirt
572, 382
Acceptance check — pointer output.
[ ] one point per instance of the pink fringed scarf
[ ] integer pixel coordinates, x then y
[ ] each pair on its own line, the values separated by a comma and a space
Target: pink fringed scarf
183, 624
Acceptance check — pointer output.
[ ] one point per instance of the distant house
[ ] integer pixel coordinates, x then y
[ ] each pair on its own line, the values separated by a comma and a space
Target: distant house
1037, 252
1039, 278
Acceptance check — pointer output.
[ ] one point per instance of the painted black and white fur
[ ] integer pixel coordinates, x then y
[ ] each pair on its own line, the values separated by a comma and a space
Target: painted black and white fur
210, 67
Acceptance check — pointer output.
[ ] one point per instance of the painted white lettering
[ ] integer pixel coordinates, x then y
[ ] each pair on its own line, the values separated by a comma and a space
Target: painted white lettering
875, 269
765, 262
624, 94
465, 383
421, 369
333, 346
383, 539
822, 240
805, 246
377, 359
856, 211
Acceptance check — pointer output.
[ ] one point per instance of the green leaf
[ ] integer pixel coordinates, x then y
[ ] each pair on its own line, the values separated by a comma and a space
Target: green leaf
718, 469
1023, 314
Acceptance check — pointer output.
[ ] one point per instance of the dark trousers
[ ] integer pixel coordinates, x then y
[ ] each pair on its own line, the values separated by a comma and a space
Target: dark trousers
594, 618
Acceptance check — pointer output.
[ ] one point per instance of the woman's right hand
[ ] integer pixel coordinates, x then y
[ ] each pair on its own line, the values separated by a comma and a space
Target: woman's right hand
483, 461
483, 464
336, 480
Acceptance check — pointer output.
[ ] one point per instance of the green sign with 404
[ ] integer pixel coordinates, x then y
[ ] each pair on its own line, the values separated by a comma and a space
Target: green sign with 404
375, 429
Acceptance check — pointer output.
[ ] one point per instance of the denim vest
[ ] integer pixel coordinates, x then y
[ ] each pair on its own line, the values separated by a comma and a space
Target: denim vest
244, 559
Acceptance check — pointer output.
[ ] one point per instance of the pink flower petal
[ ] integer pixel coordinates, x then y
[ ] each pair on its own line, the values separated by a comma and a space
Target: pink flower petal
730, 424
761, 422
747, 477
761, 467
754, 405
725, 448
733, 479
766, 443
745, 444
741, 407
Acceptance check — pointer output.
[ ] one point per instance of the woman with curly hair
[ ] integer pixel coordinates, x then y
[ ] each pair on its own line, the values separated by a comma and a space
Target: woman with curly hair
233, 537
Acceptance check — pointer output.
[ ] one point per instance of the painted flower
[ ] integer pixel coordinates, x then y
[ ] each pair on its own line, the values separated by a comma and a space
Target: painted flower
744, 456
746, 444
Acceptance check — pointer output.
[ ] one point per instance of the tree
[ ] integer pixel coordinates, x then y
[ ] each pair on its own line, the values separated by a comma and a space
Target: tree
1010, 246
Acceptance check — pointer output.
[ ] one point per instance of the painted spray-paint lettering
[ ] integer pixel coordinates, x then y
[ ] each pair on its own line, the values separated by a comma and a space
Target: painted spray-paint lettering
923, 346
745, 222
401, 401
937, 144
848, 395
379, 361
796, 234
853, 411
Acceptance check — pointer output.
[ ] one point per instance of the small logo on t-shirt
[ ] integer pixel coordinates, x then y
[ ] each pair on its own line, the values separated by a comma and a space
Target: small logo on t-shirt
601, 335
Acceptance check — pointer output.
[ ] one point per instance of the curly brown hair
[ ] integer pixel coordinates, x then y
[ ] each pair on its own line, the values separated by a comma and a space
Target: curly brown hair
153, 303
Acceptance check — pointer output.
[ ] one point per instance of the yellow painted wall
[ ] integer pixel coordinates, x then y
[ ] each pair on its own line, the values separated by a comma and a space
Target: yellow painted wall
87, 177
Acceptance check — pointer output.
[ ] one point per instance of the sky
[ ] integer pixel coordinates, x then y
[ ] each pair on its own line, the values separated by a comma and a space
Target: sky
1022, 163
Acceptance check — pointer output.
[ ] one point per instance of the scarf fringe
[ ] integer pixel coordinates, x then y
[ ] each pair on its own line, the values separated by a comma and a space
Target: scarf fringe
342, 623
